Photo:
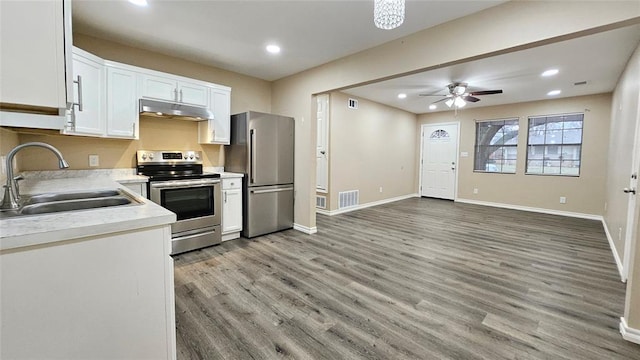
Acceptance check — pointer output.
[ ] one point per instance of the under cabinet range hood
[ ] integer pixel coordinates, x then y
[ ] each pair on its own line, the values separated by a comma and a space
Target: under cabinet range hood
174, 110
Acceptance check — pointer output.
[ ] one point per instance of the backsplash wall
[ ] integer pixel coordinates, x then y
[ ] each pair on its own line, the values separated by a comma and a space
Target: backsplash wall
155, 134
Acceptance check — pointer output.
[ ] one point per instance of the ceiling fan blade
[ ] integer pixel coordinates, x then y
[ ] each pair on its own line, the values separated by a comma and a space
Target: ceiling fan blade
486, 92
443, 99
470, 98
431, 95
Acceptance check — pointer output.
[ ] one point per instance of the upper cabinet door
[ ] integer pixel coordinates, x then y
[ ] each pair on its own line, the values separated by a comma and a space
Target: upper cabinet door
32, 34
88, 111
194, 94
156, 87
122, 103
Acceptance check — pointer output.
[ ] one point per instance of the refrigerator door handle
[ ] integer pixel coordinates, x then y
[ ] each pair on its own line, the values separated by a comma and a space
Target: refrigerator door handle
252, 144
271, 190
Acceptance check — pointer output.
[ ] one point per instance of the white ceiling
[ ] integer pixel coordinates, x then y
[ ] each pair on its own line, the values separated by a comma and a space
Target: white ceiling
597, 59
232, 35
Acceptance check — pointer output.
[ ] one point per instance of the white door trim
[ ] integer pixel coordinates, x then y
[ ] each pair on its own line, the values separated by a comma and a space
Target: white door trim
633, 217
422, 128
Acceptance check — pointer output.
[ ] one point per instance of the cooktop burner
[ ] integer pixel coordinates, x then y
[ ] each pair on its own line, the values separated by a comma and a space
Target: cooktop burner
171, 165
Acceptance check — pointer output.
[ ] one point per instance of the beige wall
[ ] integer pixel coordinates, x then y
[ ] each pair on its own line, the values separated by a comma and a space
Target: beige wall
624, 119
585, 194
507, 27
370, 147
155, 134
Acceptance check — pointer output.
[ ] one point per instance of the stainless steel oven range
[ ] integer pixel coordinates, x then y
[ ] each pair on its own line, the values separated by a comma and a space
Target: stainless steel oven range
177, 183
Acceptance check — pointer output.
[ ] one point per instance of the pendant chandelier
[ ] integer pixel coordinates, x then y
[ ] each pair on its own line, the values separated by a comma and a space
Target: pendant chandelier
388, 14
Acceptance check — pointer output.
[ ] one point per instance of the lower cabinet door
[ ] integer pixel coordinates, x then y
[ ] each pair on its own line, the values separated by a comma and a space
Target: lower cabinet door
231, 210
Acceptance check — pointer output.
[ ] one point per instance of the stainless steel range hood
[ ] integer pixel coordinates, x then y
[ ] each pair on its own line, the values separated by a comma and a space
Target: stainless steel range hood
174, 110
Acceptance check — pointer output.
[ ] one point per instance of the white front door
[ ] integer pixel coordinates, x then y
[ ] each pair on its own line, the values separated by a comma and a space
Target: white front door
322, 144
439, 160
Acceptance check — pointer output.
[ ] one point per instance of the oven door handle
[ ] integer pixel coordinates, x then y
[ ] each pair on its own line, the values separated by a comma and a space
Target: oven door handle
182, 184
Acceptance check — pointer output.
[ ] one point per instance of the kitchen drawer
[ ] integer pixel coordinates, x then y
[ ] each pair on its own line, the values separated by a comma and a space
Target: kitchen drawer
231, 183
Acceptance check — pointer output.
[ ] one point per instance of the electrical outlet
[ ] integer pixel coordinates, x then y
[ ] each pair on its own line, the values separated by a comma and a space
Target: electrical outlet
380, 189
563, 200
94, 160
3, 165
605, 206
475, 190
619, 234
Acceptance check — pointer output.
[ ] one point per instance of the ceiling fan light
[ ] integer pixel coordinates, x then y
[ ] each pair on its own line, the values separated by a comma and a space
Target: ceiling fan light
459, 90
449, 102
388, 14
459, 102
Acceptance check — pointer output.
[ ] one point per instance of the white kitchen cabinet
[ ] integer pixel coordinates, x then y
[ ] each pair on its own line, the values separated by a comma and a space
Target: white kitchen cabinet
105, 296
231, 207
122, 103
218, 129
33, 65
139, 188
88, 111
171, 89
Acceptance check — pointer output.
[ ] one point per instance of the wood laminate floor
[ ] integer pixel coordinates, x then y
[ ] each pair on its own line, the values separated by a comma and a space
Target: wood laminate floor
413, 279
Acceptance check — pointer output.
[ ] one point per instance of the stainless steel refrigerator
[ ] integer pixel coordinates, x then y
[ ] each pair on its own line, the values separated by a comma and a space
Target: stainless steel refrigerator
262, 148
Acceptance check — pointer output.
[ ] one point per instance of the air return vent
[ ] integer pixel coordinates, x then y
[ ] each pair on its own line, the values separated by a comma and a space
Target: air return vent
348, 199
321, 202
352, 104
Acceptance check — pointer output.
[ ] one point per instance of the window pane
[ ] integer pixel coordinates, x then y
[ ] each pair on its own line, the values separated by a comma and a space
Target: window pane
572, 136
553, 137
555, 147
490, 139
534, 166
570, 168
509, 166
571, 152
551, 167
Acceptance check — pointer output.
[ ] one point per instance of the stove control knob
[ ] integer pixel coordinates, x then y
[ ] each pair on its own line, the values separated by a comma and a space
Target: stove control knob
191, 157
197, 156
150, 156
144, 156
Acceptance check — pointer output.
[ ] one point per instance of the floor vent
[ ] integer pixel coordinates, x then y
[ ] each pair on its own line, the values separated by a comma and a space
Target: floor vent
352, 104
348, 199
321, 202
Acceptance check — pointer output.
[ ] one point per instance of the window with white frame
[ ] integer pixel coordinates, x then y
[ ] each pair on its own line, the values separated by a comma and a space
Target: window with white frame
554, 144
496, 146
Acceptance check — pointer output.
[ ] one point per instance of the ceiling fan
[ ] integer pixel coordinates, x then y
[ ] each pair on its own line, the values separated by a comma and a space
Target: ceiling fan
459, 95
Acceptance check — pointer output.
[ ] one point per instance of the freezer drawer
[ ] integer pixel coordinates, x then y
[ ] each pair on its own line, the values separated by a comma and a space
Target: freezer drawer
268, 209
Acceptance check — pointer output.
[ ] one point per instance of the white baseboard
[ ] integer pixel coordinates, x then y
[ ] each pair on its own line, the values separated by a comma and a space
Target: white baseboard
629, 334
364, 206
623, 278
305, 229
532, 209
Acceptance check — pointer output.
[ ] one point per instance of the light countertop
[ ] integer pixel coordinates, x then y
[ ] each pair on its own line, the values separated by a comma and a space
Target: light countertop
23, 231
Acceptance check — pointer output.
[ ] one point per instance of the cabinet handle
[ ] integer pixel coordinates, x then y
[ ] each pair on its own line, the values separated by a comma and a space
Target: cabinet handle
79, 103
180, 95
133, 130
225, 197
175, 94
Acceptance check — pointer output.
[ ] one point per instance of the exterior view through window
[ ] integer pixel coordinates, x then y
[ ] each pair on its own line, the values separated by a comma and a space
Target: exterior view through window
496, 146
554, 144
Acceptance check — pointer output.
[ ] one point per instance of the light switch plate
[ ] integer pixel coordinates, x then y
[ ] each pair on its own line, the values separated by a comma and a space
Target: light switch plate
94, 160
464, 154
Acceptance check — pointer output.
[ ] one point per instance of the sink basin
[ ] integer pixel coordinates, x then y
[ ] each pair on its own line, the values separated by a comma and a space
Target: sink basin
83, 204
72, 201
44, 198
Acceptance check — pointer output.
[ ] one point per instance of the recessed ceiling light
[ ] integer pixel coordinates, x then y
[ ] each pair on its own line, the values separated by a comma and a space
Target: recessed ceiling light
139, 2
550, 72
402, 96
554, 92
273, 49
433, 107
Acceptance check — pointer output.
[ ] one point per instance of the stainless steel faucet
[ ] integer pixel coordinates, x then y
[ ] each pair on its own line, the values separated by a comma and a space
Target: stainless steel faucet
11, 190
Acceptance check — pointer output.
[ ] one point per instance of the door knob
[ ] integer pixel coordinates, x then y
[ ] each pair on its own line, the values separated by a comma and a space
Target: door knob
627, 190
322, 152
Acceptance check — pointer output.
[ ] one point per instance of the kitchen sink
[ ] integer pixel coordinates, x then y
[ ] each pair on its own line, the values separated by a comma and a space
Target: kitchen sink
45, 198
72, 201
